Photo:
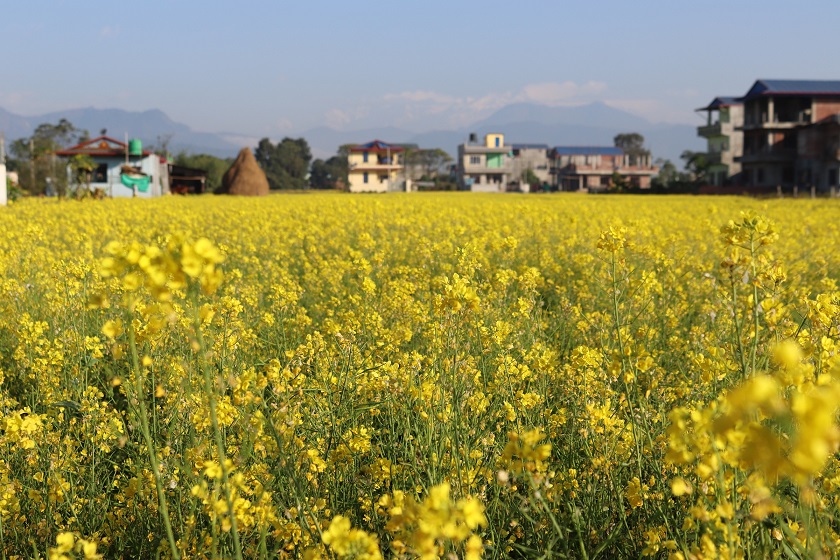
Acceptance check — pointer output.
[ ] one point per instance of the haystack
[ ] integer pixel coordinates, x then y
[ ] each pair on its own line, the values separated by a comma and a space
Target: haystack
245, 177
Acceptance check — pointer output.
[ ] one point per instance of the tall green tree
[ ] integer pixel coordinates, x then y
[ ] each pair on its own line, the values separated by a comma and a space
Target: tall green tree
214, 166
696, 165
285, 164
82, 166
430, 162
632, 144
35, 158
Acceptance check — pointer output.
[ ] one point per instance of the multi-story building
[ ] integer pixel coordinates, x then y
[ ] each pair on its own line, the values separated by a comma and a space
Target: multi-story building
376, 167
533, 158
724, 135
789, 129
485, 167
596, 168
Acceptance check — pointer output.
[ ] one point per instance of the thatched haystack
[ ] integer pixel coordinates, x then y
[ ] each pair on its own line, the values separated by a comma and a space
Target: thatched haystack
245, 177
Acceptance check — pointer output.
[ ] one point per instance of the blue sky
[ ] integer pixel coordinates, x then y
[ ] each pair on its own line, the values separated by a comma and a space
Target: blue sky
271, 68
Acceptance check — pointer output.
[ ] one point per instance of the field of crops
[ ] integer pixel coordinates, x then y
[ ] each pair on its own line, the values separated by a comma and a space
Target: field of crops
420, 376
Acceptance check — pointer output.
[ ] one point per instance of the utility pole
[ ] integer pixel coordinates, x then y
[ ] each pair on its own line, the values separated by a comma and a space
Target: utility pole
31, 165
3, 193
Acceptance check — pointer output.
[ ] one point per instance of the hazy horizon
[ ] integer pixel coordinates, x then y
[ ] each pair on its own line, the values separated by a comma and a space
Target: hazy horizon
263, 68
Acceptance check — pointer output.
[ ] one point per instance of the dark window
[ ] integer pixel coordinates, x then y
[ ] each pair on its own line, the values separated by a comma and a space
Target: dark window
100, 174
365, 159
365, 176
787, 174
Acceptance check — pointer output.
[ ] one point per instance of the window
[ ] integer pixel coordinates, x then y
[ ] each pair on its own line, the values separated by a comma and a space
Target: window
475, 160
383, 178
365, 159
365, 176
100, 174
497, 141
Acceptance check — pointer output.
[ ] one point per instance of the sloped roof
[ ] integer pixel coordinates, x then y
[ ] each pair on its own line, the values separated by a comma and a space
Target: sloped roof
99, 146
377, 146
719, 102
587, 151
529, 146
793, 87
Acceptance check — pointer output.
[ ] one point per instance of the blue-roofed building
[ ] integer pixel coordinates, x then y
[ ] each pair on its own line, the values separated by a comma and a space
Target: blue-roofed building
724, 136
595, 168
789, 130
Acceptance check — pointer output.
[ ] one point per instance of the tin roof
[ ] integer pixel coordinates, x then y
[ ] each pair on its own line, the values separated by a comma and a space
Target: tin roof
793, 87
377, 146
587, 151
719, 102
529, 146
99, 146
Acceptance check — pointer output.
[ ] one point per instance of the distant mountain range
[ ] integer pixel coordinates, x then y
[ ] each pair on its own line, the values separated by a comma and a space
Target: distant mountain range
594, 124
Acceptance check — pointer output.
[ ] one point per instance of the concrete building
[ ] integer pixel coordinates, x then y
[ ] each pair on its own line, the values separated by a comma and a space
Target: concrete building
485, 167
376, 167
790, 134
724, 135
123, 170
594, 168
533, 157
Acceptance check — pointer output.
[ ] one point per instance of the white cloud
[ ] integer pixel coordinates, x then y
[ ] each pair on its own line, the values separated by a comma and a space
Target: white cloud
12, 99
653, 110
337, 118
563, 93
109, 31
429, 109
409, 107
421, 96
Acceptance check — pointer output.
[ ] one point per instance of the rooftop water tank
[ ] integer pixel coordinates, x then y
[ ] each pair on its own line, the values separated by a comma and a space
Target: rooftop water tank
135, 147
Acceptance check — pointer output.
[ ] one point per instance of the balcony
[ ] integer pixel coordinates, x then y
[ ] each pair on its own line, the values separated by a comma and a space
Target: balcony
777, 155
709, 130
776, 121
714, 158
373, 166
473, 169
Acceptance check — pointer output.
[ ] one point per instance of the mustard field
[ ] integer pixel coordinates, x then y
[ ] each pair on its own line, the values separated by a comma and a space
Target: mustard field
420, 376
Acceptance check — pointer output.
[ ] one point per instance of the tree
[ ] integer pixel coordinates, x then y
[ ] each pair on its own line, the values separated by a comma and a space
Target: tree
431, 162
35, 156
530, 178
632, 144
286, 164
329, 174
214, 166
696, 165
82, 166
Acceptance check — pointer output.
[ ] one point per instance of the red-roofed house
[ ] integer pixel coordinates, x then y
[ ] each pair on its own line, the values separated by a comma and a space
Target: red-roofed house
111, 156
376, 167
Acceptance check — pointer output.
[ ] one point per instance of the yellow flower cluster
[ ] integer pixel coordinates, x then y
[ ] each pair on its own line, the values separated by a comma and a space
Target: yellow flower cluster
427, 376
425, 529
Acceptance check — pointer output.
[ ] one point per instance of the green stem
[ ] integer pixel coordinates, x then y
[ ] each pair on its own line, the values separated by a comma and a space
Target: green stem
147, 436
214, 421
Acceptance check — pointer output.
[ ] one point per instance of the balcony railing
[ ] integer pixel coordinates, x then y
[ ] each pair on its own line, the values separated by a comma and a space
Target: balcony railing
768, 155
709, 130
773, 121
